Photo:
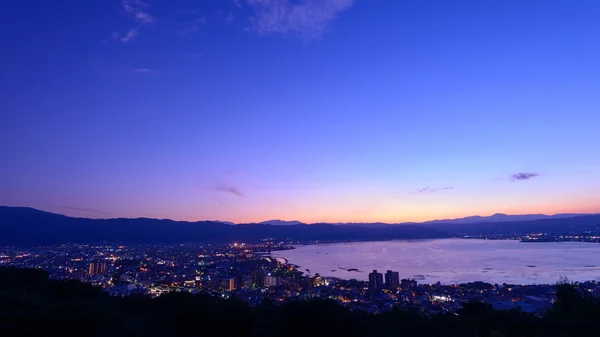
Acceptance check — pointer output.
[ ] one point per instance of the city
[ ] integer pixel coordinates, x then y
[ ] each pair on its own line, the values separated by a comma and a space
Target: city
322, 168
249, 273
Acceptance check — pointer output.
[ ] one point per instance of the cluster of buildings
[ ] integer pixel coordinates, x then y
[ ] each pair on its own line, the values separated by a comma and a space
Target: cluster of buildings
391, 281
249, 272
579, 236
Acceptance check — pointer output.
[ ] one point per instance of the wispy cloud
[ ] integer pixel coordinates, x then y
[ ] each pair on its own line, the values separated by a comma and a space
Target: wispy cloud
442, 189
228, 189
138, 9
141, 70
191, 26
229, 17
308, 19
431, 190
421, 190
130, 35
523, 176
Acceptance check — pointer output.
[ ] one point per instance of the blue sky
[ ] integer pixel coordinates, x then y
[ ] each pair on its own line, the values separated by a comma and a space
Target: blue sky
316, 110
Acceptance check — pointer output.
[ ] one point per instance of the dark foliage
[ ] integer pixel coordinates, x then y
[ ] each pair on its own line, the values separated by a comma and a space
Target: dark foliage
31, 304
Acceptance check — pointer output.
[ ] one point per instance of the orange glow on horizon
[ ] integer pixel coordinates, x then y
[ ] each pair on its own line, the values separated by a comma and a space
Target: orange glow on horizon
387, 210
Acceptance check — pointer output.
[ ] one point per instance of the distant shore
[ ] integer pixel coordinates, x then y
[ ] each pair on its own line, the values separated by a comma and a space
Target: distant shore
450, 261
519, 239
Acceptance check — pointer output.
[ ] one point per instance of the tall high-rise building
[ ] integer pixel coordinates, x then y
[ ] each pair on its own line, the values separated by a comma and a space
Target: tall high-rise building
77, 275
375, 280
258, 278
232, 284
97, 268
224, 284
408, 284
272, 281
392, 280
246, 281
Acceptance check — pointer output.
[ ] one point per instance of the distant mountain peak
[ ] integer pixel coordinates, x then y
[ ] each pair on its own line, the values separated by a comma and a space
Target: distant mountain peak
278, 222
224, 222
501, 217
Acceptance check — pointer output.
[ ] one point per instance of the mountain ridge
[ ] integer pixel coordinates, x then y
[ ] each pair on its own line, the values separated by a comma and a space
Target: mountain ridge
496, 217
501, 217
28, 226
277, 222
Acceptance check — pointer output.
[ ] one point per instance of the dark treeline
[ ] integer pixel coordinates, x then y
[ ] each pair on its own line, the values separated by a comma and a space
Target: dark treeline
33, 305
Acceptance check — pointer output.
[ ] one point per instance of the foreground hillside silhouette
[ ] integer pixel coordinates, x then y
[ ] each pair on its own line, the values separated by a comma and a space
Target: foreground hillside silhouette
33, 305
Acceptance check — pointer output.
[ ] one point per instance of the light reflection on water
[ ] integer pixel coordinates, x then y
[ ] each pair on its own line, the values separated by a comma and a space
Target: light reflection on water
453, 260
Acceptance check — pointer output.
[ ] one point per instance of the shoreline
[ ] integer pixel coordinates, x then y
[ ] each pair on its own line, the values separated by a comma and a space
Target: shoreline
519, 239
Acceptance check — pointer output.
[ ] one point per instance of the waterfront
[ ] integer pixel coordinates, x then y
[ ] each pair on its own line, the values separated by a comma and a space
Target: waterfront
247, 272
451, 261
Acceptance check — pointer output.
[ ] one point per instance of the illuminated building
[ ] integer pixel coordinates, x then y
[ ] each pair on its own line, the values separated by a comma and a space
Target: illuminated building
272, 281
258, 278
318, 280
392, 280
97, 268
246, 282
78, 274
224, 284
408, 284
375, 280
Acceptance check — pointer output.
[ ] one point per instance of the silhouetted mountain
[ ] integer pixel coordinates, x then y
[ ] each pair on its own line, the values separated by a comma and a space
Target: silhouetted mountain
224, 222
560, 225
374, 224
496, 218
499, 217
27, 226
282, 222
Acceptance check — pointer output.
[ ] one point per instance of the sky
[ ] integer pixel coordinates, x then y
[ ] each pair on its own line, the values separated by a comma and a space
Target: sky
310, 110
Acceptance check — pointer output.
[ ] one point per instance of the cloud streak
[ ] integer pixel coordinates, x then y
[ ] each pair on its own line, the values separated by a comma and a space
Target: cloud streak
523, 176
193, 26
137, 9
130, 35
228, 189
431, 190
308, 19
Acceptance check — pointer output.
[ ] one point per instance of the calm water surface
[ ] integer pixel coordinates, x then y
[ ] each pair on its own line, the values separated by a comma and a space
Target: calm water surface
453, 260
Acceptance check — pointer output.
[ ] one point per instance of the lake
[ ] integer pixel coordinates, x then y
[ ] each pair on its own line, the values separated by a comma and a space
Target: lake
453, 261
